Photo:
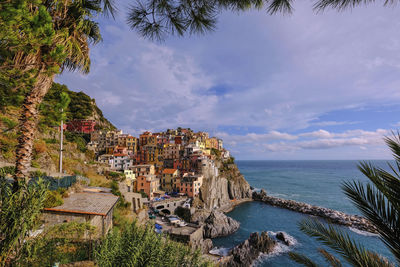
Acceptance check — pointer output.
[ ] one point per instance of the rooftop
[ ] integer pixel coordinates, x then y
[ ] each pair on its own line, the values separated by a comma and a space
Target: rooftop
87, 203
169, 171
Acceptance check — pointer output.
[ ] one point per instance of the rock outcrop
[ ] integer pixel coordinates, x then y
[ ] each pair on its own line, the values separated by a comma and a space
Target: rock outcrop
245, 253
333, 216
223, 184
218, 224
282, 236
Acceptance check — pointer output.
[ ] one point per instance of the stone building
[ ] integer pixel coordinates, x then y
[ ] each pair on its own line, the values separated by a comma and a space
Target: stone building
94, 208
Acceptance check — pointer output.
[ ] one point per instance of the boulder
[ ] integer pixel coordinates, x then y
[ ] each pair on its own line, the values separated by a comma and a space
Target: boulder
218, 224
248, 251
284, 238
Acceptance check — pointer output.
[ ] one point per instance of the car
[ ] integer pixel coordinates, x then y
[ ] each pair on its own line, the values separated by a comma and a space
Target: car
173, 219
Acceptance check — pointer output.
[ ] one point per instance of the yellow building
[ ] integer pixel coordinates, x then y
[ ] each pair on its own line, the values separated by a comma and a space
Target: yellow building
168, 179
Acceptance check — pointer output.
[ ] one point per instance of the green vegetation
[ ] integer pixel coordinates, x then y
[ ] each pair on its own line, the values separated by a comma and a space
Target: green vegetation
379, 202
137, 246
79, 107
216, 152
79, 139
8, 144
20, 212
143, 194
183, 213
10, 123
53, 199
115, 176
63, 243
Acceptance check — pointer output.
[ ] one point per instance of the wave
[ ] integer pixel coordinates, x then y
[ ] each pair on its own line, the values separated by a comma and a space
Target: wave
220, 251
361, 232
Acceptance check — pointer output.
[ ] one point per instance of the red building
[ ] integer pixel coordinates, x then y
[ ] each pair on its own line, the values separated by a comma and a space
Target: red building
81, 126
178, 140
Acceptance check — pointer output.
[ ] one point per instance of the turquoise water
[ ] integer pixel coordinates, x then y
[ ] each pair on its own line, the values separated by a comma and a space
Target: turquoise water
314, 182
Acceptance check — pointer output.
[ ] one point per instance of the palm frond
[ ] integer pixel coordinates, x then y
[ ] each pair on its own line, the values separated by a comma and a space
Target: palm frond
301, 259
377, 209
384, 181
340, 242
283, 6
393, 143
332, 260
345, 4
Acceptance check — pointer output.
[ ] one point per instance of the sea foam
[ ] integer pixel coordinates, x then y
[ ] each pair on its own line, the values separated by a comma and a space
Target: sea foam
220, 251
364, 233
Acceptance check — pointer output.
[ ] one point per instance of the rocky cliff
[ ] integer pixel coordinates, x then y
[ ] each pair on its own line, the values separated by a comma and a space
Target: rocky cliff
223, 185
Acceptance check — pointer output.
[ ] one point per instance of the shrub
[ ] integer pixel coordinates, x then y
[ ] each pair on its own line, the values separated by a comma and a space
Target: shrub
63, 243
7, 143
37, 174
50, 140
40, 147
115, 176
35, 164
10, 124
141, 246
20, 212
7, 170
184, 213
53, 199
79, 139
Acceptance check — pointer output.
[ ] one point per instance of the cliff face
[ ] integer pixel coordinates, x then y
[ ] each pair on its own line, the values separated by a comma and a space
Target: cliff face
223, 183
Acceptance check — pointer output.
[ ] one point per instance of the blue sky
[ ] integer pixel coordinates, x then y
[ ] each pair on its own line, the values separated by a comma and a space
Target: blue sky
300, 86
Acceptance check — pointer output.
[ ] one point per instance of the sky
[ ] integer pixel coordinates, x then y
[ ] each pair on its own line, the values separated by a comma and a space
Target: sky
301, 86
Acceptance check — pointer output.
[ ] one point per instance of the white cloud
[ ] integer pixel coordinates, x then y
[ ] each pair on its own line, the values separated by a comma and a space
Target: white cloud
282, 74
321, 140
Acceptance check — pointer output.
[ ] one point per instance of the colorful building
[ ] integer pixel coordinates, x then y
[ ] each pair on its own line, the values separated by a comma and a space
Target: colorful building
168, 179
143, 169
189, 184
81, 126
148, 184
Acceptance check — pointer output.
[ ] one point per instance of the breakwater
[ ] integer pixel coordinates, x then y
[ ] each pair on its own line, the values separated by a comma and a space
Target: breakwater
333, 216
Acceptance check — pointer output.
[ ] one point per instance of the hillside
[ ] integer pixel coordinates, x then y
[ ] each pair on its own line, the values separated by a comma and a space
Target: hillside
77, 159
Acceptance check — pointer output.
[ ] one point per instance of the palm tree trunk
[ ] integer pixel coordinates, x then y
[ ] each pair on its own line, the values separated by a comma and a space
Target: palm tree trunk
28, 123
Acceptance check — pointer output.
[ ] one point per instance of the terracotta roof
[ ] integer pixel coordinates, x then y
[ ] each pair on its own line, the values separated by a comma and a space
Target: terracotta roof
120, 155
87, 203
169, 171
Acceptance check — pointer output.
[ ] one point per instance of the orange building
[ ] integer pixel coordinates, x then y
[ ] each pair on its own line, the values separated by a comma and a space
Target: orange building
147, 184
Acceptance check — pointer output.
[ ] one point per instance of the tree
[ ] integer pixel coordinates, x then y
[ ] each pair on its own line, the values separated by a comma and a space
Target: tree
156, 19
379, 202
40, 39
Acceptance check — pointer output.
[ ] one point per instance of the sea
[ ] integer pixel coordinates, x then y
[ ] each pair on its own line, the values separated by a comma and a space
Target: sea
314, 182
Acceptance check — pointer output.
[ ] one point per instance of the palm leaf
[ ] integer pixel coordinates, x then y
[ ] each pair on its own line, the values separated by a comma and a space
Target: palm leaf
301, 259
345, 4
340, 242
376, 208
332, 260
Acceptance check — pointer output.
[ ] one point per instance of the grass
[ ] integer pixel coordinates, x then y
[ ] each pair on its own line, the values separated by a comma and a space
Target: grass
9, 123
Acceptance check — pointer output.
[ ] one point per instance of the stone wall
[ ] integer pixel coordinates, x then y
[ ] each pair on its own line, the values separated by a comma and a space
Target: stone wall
102, 223
333, 216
